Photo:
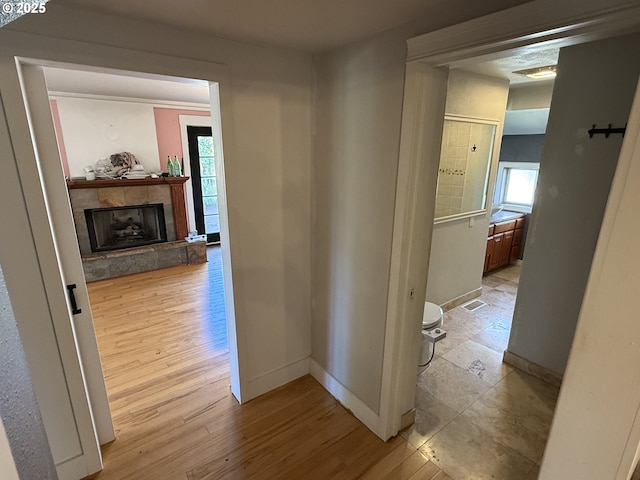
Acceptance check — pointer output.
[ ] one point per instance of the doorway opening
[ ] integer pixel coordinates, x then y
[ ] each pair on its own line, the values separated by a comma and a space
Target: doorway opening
557, 290
90, 125
476, 259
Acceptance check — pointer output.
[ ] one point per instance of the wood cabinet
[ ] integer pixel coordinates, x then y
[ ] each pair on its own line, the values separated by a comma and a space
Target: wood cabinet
504, 243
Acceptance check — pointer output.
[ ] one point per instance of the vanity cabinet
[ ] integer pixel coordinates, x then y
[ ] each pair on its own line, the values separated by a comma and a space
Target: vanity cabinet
504, 242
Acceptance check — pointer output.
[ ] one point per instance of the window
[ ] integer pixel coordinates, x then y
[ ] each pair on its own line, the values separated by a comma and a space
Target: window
516, 185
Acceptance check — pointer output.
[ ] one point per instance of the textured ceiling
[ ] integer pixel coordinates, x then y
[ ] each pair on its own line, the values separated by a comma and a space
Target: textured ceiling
307, 25
504, 64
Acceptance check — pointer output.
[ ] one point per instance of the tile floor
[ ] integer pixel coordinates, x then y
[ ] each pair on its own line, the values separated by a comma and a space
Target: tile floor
478, 418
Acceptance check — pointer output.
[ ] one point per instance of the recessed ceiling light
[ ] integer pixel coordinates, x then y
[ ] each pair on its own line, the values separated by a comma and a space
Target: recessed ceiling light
539, 73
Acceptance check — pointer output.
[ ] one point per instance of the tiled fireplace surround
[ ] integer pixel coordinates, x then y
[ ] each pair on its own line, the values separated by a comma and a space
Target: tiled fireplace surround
119, 193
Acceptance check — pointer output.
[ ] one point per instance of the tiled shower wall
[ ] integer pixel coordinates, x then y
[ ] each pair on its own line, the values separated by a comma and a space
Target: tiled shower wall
456, 137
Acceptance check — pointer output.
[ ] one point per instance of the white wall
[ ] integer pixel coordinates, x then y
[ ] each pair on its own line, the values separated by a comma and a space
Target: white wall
596, 431
595, 84
358, 112
458, 246
266, 133
356, 146
95, 129
530, 96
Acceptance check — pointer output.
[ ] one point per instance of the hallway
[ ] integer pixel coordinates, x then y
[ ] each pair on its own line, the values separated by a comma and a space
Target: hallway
478, 418
162, 338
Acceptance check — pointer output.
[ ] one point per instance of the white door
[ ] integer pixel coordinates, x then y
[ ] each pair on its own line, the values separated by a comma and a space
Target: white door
38, 270
64, 232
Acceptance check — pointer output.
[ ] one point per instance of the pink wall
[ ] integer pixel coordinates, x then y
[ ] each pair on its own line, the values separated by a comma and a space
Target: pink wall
58, 128
168, 131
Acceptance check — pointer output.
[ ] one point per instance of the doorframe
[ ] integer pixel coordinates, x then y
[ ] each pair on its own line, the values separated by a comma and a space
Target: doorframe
190, 121
539, 23
216, 103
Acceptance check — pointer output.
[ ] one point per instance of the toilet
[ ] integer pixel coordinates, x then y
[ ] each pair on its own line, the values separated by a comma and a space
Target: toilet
432, 318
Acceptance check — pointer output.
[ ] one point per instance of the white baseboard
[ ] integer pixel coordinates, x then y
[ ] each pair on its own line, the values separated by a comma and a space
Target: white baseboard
347, 398
269, 381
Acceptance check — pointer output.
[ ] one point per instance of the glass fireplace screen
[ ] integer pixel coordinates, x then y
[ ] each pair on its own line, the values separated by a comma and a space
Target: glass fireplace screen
125, 227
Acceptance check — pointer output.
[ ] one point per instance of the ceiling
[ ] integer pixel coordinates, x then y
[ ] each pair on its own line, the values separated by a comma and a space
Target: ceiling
301, 24
518, 121
123, 85
306, 25
503, 65
119, 84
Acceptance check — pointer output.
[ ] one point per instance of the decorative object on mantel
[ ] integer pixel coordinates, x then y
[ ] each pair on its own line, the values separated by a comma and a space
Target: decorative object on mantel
89, 173
120, 164
123, 162
177, 168
174, 167
137, 171
606, 131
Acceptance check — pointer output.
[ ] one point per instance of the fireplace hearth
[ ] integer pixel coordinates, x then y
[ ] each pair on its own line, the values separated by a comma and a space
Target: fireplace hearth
128, 242
125, 227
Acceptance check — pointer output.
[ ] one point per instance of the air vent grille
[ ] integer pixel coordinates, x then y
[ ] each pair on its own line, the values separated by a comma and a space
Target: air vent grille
474, 305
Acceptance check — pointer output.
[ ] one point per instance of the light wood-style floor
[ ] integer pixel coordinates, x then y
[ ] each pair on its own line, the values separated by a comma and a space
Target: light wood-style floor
162, 341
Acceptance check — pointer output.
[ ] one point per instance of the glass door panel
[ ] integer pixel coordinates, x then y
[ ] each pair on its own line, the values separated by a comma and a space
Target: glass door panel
205, 190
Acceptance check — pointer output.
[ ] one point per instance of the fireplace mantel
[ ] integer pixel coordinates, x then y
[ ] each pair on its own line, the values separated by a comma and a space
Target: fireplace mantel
125, 182
176, 185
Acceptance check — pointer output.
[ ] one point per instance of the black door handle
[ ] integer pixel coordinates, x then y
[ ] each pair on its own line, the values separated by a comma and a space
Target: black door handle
72, 298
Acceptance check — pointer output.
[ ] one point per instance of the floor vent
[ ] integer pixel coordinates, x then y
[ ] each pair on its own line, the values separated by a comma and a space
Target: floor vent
474, 305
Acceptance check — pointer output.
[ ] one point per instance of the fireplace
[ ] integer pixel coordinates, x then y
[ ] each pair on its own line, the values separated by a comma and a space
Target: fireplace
104, 256
125, 227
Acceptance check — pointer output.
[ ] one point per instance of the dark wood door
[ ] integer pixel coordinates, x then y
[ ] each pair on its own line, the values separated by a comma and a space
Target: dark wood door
202, 159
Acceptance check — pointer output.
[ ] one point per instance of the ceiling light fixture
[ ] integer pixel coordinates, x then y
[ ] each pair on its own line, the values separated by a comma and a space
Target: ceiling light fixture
539, 73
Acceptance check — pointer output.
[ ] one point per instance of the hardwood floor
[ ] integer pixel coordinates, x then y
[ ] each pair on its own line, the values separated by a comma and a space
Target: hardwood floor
162, 340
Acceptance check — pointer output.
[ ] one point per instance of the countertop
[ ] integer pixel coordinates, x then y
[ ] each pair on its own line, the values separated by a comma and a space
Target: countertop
504, 216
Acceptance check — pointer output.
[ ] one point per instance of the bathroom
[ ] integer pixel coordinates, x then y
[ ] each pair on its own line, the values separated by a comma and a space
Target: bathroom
491, 146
